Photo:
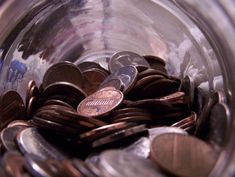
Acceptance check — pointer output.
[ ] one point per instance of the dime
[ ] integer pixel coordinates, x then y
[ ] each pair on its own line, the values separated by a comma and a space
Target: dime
126, 58
100, 103
63, 72
30, 141
156, 63
154, 132
120, 163
183, 155
127, 75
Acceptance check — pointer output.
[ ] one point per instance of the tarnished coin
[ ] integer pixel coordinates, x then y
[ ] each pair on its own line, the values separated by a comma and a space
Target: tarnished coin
69, 169
159, 88
63, 72
125, 58
8, 137
14, 164
57, 102
120, 163
100, 103
64, 91
183, 155
187, 86
156, 63
93, 78
12, 107
145, 81
30, 141
127, 75
104, 131
120, 136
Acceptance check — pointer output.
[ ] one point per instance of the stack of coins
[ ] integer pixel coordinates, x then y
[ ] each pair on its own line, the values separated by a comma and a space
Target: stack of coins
133, 119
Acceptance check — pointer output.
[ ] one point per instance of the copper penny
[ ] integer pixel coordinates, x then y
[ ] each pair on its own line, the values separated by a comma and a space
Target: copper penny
183, 155
150, 71
100, 103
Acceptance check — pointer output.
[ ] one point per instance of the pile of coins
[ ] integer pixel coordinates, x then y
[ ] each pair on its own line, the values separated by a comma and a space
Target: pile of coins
130, 119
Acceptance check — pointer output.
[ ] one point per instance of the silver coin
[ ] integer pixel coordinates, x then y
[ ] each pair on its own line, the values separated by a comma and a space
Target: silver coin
125, 58
120, 163
140, 148
154, 132
127, 75
30, 141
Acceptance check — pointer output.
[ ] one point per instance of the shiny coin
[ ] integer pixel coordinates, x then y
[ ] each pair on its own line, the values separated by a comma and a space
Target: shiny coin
14, 164
120, 163
30, 141
127, 75
100, 103
183, 155
120, 136
8, 137
69, 169
63, 72
41, 168
12, 107
154, 132
126, 58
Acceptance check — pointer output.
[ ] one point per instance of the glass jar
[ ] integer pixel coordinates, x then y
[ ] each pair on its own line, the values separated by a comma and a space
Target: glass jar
195, 38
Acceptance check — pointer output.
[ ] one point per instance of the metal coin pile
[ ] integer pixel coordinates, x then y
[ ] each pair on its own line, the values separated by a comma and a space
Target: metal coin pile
133, 119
